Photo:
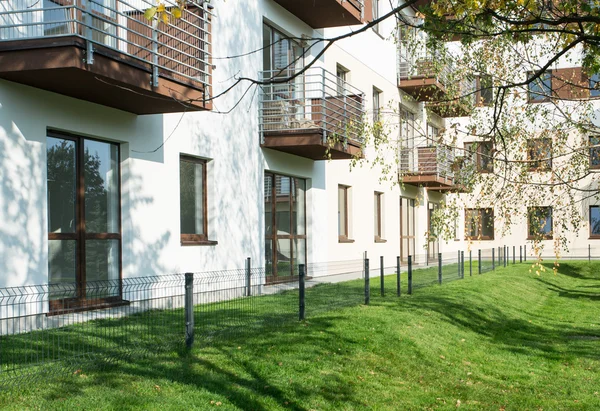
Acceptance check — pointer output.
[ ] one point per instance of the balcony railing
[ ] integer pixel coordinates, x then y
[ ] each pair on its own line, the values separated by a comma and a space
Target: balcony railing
316, 101
178, 49
435, 160
422, 65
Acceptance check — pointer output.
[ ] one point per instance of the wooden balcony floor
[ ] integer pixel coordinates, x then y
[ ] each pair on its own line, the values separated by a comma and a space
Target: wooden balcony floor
309, 144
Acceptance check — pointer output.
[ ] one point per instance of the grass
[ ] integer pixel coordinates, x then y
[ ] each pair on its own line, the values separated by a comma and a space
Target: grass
503, 340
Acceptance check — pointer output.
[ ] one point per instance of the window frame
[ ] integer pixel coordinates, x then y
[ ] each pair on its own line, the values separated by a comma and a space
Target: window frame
344, 238
489, 88
375, 6
592, 235
196, 239
378, 213
594, 80
539, 96
533, 163
545, 236
478, 154
480, 212
591, 151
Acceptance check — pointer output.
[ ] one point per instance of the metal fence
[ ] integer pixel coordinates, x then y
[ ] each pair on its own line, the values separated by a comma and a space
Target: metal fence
158, 314
314, 101
173, 42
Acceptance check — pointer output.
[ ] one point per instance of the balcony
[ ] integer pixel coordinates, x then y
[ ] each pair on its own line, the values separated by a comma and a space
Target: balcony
419, 76
429, 166
107, 52
320, 14
459, 106
314, 115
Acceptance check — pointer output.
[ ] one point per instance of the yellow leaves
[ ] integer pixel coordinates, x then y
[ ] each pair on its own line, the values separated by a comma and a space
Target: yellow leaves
176, 13
149, 13
163, 13
161, 8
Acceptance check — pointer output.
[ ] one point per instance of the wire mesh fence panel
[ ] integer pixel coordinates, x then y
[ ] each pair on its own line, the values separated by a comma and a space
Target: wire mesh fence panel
450, 267
424, 271
229, 304
334, 285
486, 260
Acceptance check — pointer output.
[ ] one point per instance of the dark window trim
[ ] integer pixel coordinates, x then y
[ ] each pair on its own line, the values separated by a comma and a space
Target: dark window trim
479, 156
80, 303
548, 236
197, 239
532, 160
592, 235
480, 212
597, 149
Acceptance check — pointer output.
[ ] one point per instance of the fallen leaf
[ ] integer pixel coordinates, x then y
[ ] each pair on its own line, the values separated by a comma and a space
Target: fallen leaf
442, 357
457, 403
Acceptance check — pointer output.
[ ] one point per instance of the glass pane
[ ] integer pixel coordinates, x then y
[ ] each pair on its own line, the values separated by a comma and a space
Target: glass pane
268, 204
101, 174
404, 217
595, 220
342, 211
487, 227
595, 151
62, 269
299, 254
411, 217
266, 47
102, 268
282, 205
284, 257
376, 214
299, 208
61, 185
191, 196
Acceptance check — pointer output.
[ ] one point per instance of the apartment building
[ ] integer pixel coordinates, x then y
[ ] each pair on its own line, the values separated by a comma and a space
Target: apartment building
132, 146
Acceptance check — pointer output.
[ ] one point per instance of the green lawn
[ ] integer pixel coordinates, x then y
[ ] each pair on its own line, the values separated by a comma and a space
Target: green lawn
504, 340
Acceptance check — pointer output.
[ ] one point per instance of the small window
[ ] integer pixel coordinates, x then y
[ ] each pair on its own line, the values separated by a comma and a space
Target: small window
378, 217
539, 154
376, 15
376, 105
342, 76
485, 94
479, 224
541, 87
539, 223
482, 154
193, 204
343, 226
595, 85
594, 221
594, 151
432, 133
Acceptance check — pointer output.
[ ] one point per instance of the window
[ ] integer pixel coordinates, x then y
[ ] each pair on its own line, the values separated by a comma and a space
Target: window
594, 151
594, 221
479, 224
376, 105
281, 55
540, 88
342, 76
432, 132
407, 227
343, 226
595, 85
285, 225
539, 222
378, 217
376, 15
539, 154
485, 94
84, 222
193, 201
482, 153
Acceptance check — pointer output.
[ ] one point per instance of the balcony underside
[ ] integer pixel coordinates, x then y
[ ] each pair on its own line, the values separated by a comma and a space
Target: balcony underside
423, 88
309, 144
320, 14
433, 182
113, 80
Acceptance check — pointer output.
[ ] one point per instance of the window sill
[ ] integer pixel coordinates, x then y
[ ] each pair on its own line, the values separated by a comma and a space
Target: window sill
478, 239
345, 240
380, 240
544, 238
85, 306
594, 237
187, 243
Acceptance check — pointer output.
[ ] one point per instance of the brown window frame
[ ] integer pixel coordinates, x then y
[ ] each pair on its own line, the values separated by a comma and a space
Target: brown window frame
344, 238
80, 302
534, 144
593, 150
410, 218
478, 153
542, 98
378, 237
480, 212
548, 236
479, 95
196, 239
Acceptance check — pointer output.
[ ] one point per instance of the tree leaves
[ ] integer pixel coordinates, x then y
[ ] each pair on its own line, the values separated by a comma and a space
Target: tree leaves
163, 14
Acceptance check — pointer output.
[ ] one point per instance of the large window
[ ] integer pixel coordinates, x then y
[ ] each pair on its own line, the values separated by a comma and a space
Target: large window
281, 55
193, 201
285, 225
407, 228
378, 217
343, 214
595, 85
539, 154
540, 89
482, 153
594, 151
539, 222
485, 93
594, 221
84, 222
479, 224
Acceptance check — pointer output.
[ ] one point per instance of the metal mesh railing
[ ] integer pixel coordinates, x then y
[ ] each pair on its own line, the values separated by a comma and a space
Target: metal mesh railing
314, 101
171, 46
422, 64
436, 160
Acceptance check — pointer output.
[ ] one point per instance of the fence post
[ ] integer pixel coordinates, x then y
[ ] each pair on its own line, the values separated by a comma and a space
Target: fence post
367, 283
409, 274
520, 254
479, 259
514, 251
525, 253
189, 310
439, 268
589, 253
248, 277
470, 264
493, 258
381, 282
458, 263
398, 290
505, 249
462, 265
301, 294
